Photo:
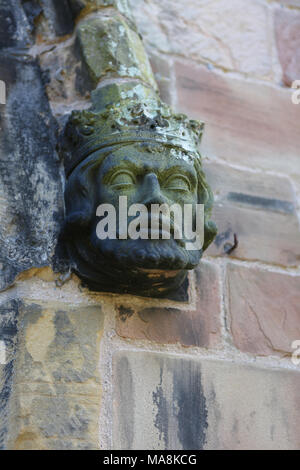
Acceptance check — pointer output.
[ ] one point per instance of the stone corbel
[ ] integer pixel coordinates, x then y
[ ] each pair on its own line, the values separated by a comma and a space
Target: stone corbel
128, 147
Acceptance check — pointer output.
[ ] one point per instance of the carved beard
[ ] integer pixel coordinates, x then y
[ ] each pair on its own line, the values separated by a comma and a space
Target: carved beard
154, 268
147, 254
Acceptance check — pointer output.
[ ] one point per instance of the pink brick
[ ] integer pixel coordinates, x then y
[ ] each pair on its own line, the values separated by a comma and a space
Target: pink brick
250, 124
264, 310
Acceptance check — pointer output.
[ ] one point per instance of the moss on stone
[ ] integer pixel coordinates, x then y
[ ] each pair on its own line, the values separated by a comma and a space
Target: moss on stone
110, 47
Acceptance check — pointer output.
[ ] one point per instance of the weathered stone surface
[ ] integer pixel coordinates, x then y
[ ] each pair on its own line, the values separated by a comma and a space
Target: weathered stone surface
67, 80
246, 123
31, 195
58, 15
121, 6
111, 48
264, 310
14, 26
33, 10
197, 325
9, 314
232, 35
260, 210
52, 19
287, 30
165, 402
57, 384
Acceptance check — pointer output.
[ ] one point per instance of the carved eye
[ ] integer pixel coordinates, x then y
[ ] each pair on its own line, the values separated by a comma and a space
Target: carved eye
177, 183
122, 180
87, 130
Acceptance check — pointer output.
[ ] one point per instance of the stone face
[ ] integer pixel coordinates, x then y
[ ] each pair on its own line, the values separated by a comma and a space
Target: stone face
287, 29
9, 315
57, 384
111, 48
264, 309
232, 35
149, 164
165, 402
260, 210
31, 195
250, 124
197, 325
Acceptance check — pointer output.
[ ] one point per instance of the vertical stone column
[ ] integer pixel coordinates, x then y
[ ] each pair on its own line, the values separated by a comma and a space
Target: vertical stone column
31, 197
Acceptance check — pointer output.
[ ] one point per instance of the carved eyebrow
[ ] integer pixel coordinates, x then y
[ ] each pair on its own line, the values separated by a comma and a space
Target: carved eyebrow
163, 174
181, 170
124, 164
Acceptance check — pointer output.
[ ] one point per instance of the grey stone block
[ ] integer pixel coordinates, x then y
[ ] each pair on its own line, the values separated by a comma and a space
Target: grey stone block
169, 402
31, 194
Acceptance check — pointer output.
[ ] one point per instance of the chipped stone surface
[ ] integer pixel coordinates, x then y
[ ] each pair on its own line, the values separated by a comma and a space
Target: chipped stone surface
232, 35
57, 387
31, 194
260, 210
165, 402
264, 309
287, 30
247, 123
193, 325
15, 29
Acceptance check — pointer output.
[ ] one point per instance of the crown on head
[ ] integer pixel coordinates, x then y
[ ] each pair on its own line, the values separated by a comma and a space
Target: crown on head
137, 115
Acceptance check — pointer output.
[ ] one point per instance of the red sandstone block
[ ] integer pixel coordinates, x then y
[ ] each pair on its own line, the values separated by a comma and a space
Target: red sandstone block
264, 310
247, 123
198, 326
259, 210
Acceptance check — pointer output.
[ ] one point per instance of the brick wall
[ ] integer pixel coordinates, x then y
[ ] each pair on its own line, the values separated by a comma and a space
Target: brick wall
214, 370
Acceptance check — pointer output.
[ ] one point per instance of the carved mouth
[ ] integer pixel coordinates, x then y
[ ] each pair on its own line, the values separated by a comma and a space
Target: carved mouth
154, 228
156, 234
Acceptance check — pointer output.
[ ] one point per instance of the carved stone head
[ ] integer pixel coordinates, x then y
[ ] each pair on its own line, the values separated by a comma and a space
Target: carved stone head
129, 147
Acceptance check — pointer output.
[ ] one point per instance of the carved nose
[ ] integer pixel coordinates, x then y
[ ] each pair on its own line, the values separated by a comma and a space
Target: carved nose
151, 190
